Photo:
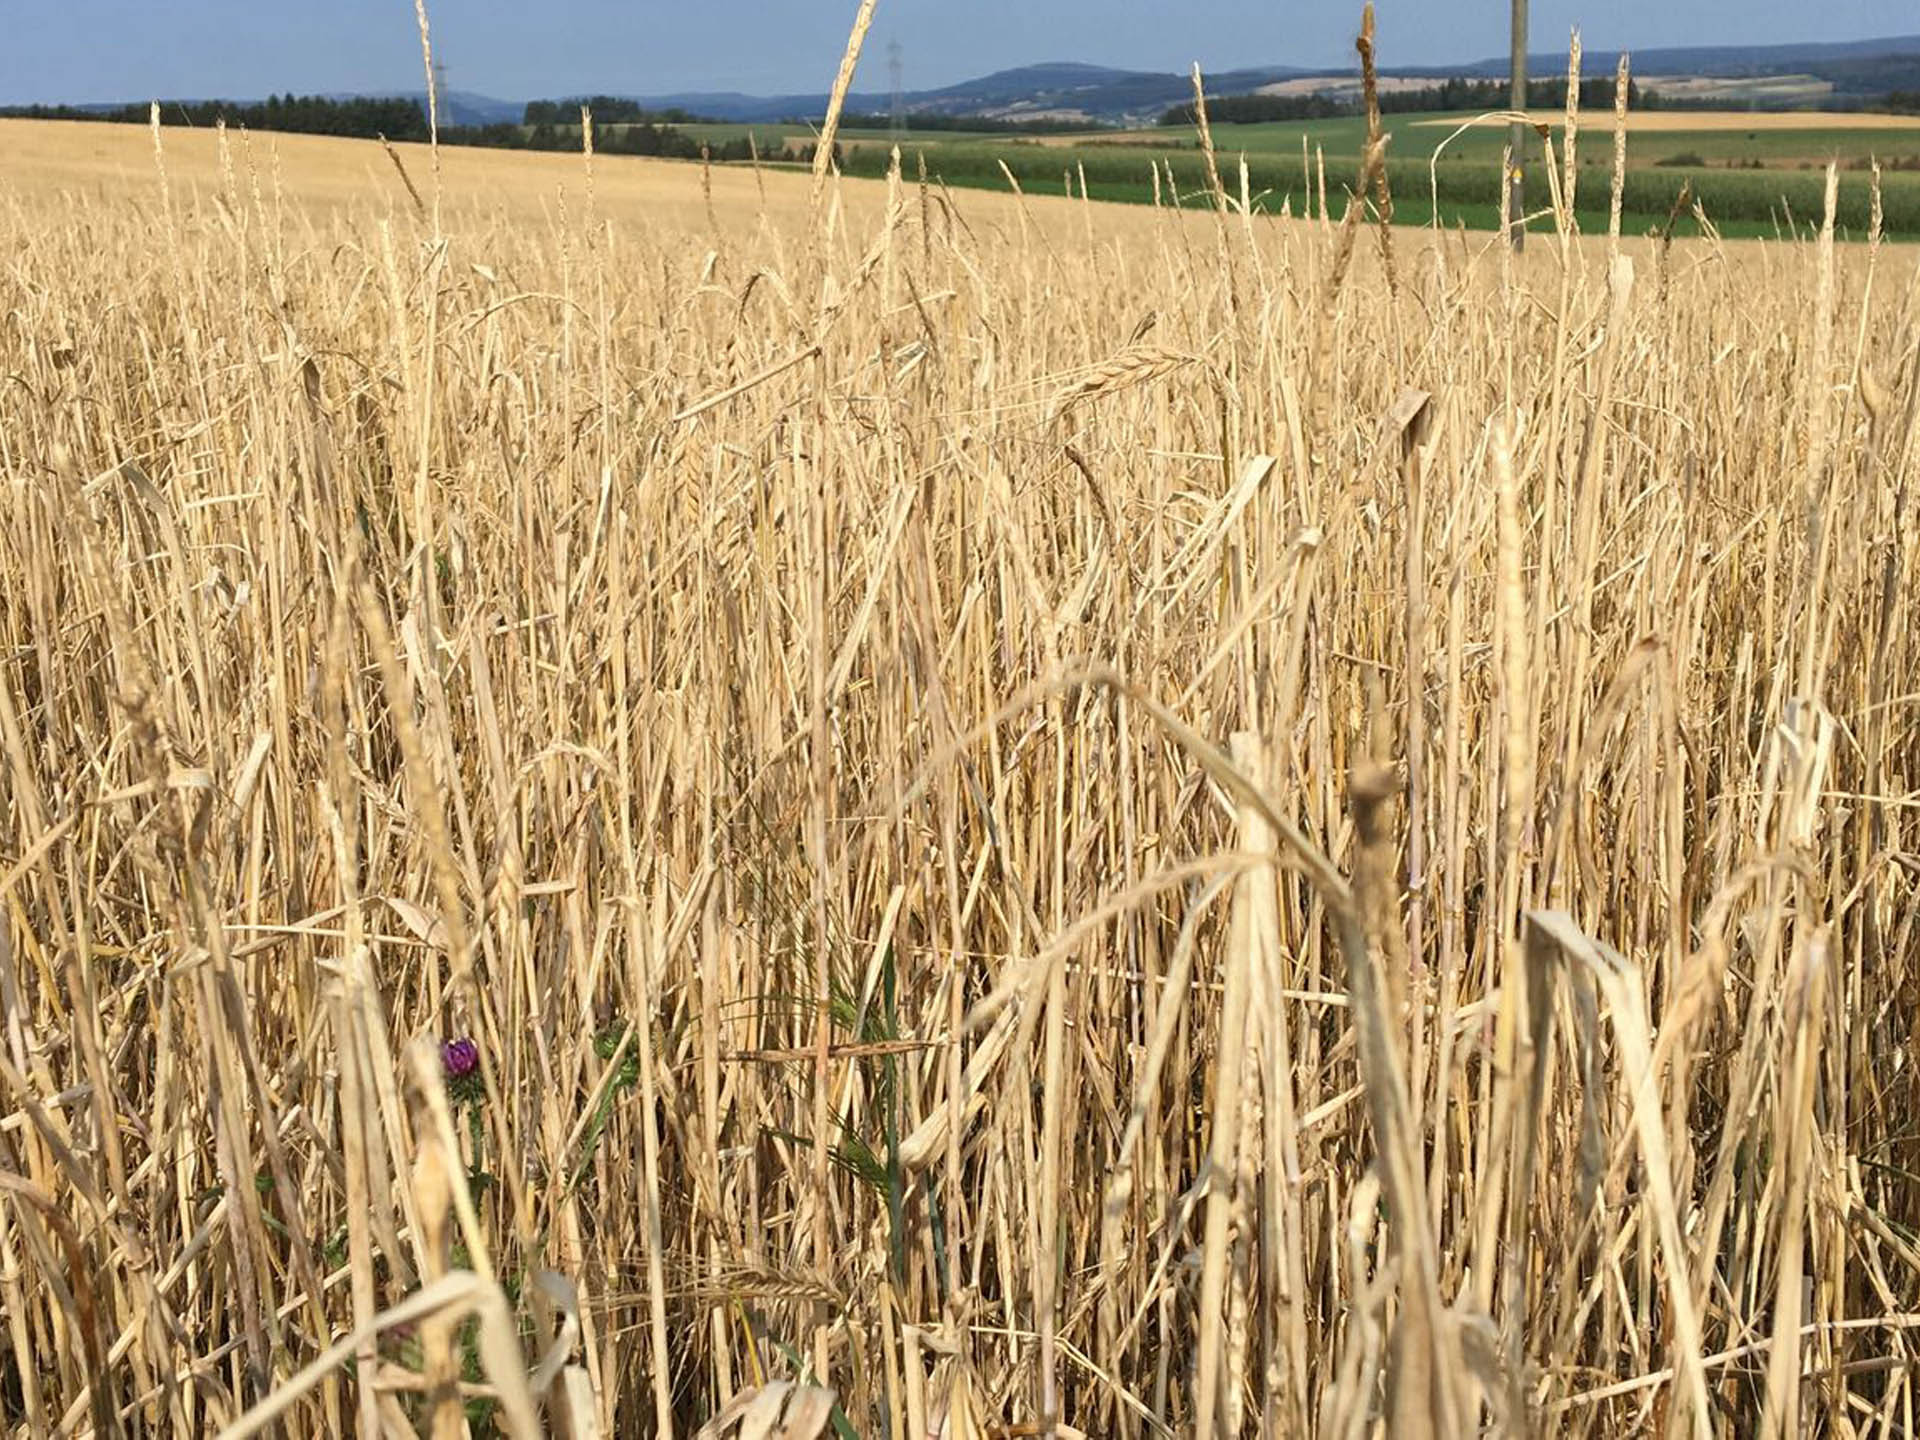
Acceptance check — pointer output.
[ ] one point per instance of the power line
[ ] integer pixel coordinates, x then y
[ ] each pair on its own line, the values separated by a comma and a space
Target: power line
896, 67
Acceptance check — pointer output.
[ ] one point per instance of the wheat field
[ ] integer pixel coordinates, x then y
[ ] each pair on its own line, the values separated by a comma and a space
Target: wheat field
634, 801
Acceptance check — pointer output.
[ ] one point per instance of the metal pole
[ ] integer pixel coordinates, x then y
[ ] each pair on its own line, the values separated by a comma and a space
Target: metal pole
1517, 135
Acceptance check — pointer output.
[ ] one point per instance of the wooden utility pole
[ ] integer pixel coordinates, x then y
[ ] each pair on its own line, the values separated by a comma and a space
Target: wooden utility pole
1517, 134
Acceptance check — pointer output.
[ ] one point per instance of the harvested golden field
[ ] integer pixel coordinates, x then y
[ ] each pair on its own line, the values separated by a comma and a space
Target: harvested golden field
857, 811
319, 175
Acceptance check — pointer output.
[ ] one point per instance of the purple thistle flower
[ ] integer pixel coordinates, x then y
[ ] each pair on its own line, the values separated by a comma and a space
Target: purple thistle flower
460, 1058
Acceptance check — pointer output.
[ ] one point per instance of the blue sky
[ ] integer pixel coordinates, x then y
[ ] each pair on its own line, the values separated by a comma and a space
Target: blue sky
143, 49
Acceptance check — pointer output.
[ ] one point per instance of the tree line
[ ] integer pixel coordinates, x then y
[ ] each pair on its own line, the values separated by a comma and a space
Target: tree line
604, 107
931, 123
1452, 94
361, 116
643, 137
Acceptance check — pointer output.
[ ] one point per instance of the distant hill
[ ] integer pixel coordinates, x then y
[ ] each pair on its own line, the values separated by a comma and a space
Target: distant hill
1058, 89
1067, 91
461, 107
1829, 60
1832, 73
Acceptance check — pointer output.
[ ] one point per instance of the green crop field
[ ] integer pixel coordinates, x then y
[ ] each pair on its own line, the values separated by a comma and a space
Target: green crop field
1463, 176
1715, 139
771, 138
1753, 175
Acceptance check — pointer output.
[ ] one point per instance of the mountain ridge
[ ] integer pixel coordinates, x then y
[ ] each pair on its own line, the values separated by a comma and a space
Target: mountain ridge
1099, 92
1069, 90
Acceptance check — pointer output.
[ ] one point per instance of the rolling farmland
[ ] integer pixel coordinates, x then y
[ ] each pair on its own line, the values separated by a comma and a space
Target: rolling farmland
1755, 173
636, 797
